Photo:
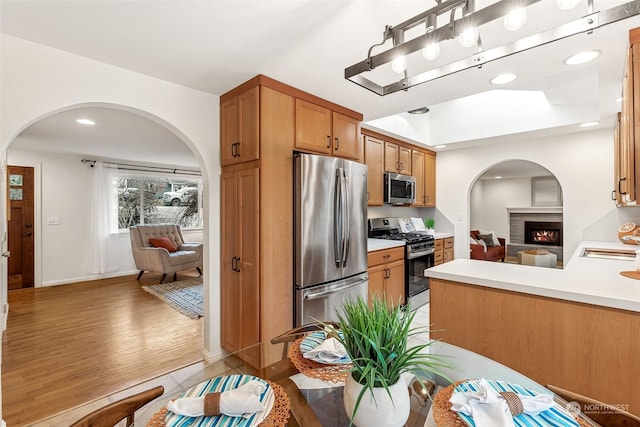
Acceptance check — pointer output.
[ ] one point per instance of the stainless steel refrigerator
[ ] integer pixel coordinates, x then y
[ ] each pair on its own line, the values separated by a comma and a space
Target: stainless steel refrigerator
330, 204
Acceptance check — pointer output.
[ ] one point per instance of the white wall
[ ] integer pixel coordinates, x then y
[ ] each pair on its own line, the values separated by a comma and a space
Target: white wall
582, 163
38, 81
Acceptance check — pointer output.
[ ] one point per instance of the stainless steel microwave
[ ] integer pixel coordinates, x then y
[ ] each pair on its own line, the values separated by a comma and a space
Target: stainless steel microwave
399, 189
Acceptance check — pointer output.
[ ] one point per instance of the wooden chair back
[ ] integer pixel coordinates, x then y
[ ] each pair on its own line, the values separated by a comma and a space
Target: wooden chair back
113, 413
605, 415
291, 335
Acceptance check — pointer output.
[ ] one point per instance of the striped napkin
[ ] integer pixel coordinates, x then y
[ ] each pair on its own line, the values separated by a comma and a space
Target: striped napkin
478, 403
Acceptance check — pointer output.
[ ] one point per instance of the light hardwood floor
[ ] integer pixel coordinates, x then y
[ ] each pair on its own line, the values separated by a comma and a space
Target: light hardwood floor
68, 345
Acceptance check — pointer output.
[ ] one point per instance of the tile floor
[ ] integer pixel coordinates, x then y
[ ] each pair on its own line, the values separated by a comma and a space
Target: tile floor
169, 381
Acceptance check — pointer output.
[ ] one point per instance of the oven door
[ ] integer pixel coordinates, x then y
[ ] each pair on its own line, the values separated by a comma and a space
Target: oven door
417, 285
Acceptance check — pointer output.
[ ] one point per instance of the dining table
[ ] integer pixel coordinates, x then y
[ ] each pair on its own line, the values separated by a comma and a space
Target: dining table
313, 396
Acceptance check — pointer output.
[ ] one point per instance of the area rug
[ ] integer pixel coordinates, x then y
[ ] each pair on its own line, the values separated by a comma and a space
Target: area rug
184, 296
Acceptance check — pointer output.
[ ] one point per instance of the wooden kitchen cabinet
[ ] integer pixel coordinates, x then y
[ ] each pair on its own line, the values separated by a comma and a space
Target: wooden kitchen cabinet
239, 295
256, 257
386, 274
423, 169
397, 158
430, 180
443, 250
417, 171
256, 277
374, 159
239, 139
627, 137
320, 130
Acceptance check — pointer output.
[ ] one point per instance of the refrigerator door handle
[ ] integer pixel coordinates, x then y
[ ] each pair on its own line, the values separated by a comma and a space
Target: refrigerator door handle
337, 220
347, 223
321, 294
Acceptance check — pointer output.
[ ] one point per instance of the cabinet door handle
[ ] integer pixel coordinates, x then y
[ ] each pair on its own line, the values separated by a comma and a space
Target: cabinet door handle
368, 196
237, 149
328, 141
234, 264
401, 166
337, 144
386, 256
387, 273
233, 150
613, 194
619, 187
397, 166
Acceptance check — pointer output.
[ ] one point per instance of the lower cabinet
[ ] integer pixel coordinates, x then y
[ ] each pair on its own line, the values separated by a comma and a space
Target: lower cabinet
386, 275
443, 250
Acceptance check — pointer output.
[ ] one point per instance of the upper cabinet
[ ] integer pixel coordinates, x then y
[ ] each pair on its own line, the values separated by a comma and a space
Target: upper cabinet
374, 159
321, 130
386, 154
627, 137
397, 158
239, 120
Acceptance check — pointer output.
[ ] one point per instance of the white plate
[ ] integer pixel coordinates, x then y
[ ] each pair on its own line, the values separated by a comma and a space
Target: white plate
221, 384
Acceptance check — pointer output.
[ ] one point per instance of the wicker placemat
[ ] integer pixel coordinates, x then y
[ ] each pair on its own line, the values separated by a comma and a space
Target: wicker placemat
444, 417
311, 368
278, 416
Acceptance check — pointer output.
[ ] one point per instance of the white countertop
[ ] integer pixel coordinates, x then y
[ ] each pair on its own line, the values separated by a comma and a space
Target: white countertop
586, 280
379, 244
442, 235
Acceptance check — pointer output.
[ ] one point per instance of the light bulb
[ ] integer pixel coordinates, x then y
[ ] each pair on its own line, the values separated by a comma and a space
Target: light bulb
399, 64
431, 51
567, 4
469, 37
515, 19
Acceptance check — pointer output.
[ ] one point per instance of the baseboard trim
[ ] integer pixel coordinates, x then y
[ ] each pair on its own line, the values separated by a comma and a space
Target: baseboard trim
88, 278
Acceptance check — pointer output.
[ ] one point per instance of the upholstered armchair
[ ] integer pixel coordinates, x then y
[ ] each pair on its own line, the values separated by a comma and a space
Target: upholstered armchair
160, 248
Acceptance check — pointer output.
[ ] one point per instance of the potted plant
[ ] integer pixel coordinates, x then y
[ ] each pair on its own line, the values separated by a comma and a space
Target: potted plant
376, 339
430, 224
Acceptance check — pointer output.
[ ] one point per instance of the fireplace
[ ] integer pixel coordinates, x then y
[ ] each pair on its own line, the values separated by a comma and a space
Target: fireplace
543, 233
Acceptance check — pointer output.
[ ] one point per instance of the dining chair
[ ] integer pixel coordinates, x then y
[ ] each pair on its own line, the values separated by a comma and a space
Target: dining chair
604, 414
113, 413
291, 335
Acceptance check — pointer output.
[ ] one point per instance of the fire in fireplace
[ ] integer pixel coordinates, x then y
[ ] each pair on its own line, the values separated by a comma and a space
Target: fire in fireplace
543, 233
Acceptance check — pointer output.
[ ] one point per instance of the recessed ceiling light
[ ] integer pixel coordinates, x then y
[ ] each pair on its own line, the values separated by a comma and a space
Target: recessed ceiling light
582, 57
497, 177
440, 146
589, 124
85, 122
503, 79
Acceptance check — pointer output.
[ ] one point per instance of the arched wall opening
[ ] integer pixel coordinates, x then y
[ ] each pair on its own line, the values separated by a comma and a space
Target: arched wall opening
521, 202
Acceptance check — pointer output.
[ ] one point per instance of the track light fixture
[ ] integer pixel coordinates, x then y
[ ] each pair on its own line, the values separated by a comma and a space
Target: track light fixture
467, 29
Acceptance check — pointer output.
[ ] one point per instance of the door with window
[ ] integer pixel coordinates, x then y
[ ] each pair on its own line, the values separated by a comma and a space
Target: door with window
21, 227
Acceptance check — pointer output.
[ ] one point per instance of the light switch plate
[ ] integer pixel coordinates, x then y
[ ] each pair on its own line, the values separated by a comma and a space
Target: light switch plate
54, 220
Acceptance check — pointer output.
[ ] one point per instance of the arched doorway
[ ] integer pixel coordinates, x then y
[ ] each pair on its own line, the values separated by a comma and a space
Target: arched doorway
520, 201
55, 145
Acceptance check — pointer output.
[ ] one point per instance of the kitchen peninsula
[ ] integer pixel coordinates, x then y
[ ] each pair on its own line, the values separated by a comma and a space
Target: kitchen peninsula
577, 328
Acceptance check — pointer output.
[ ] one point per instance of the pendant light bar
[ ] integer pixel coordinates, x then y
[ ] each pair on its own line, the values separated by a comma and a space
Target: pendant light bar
587, 23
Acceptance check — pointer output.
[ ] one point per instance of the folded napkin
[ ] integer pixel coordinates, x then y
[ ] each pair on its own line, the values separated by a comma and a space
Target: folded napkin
330, 350
491, 408
243, 401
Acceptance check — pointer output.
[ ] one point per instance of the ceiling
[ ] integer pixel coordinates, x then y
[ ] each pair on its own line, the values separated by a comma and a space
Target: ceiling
215, 45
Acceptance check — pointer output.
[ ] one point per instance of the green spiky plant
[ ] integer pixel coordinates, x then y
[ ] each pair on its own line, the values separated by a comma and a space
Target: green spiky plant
376, 339
430, 223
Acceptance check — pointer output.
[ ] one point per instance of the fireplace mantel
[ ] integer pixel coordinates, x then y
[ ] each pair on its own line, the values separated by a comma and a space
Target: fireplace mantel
534, 210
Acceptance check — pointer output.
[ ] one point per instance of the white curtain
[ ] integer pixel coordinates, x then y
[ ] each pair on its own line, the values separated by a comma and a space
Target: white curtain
103, 204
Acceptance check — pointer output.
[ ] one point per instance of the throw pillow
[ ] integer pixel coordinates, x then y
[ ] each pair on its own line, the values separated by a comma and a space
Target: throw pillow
163, 242
496, 242
487, 239
473, 241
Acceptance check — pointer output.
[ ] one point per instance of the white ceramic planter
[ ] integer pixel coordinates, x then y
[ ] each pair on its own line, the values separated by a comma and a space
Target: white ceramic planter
377, 409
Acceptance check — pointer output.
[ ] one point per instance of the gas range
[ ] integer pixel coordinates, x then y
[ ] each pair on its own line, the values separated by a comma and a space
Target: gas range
419, 255
417, 243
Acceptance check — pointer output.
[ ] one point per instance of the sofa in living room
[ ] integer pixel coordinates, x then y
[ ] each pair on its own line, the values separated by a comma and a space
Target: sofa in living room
486, 246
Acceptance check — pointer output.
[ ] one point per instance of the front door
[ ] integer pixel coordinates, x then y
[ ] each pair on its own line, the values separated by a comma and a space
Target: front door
21, 229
